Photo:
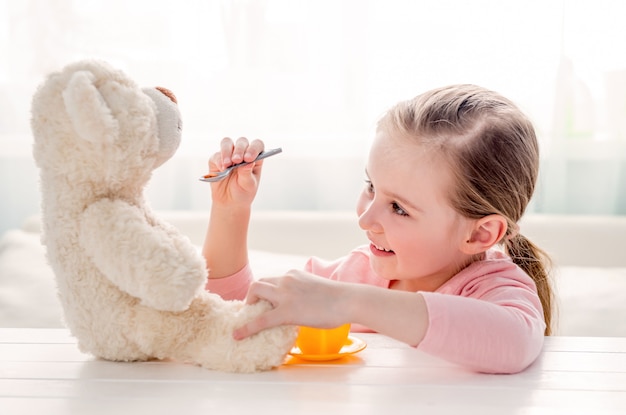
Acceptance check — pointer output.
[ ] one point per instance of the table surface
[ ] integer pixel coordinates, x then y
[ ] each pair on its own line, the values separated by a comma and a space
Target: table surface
42, 372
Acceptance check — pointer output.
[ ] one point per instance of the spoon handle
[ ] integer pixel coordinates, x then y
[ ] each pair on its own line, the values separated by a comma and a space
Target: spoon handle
214, 177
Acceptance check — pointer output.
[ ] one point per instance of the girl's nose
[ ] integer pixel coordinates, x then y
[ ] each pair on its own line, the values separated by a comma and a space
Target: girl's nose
367, 219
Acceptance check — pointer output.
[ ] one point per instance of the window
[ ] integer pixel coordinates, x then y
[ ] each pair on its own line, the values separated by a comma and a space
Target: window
313, 76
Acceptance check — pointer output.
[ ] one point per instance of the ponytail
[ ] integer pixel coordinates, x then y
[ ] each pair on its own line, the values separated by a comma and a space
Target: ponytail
536, 263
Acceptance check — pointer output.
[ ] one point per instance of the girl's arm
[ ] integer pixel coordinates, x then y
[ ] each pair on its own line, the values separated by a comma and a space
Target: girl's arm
302, 298
225, 246
497, 328
387, 312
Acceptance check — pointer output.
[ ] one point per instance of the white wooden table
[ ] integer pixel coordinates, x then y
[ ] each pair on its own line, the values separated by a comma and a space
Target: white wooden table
42, 372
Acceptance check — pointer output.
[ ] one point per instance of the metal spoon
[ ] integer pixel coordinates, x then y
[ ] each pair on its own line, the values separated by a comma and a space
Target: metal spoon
219, 175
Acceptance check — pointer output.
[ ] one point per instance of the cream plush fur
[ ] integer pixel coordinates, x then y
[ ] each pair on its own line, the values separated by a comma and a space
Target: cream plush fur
131, 286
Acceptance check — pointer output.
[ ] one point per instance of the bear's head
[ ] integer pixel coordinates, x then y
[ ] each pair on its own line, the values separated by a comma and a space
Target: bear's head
98, 132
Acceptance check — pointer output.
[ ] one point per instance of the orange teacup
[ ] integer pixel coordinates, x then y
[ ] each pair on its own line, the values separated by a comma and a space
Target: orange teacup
316, 341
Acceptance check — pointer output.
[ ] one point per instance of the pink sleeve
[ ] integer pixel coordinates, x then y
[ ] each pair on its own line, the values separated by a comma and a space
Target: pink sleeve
500, 332
354, 267
321, 267
233, 287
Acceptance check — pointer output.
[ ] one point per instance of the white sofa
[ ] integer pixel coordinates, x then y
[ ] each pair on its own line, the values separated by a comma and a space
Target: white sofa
588, 252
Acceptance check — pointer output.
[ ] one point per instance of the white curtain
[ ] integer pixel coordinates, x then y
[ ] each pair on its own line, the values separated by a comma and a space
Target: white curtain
313, 76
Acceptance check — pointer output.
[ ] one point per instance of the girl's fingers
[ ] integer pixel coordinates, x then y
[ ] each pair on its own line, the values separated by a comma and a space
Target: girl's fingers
262, 322
254, 149
265, 290
241, 145
261, 290
226, 150
235, 152
215, 162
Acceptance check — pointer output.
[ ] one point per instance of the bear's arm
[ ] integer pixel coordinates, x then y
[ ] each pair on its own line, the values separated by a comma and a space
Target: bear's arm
164, 270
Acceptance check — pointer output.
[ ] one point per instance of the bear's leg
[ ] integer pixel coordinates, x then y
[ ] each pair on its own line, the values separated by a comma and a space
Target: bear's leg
202, 335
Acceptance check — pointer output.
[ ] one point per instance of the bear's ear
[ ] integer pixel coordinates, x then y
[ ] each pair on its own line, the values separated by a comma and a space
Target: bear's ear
91, 117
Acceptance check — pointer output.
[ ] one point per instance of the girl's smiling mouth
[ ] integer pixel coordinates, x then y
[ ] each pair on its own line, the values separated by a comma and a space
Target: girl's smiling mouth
380, 251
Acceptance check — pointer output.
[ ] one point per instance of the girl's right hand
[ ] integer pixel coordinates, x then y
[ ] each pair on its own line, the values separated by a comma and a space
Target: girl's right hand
241, 186
297, 298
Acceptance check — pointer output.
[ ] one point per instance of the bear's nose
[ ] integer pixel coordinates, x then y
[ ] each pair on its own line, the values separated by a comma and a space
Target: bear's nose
168, 94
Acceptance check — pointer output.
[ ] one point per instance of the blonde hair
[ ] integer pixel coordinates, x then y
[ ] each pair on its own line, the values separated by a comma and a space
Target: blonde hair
493, 154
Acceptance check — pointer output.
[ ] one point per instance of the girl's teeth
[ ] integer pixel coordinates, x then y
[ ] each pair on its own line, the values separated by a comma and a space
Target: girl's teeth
382, 249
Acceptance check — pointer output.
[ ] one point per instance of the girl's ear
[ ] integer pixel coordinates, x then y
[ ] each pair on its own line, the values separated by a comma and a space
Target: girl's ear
485, 233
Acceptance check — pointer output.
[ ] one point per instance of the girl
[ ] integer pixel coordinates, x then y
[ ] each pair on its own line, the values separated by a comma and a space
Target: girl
449, 175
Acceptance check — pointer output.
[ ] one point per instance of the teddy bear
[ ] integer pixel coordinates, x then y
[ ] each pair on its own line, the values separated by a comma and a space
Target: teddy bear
131, 286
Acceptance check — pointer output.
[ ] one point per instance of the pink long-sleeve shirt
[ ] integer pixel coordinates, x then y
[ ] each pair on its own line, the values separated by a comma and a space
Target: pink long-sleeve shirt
488, 317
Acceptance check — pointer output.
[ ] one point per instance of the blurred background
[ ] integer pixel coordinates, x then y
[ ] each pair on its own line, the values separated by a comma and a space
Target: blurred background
314, 76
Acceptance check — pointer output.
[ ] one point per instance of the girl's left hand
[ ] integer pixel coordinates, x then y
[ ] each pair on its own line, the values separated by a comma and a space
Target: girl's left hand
298, 298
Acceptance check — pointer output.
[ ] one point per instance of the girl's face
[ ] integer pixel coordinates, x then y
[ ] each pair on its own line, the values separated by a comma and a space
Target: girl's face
416, 236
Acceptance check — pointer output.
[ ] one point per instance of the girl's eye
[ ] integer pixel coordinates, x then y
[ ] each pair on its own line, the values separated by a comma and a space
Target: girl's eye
398, 210
369, 186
